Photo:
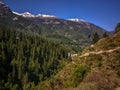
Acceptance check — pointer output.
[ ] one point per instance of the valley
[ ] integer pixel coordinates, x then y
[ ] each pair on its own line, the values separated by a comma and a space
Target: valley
45, 52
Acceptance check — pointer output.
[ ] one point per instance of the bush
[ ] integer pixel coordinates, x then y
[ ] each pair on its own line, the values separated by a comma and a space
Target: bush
15, 87
79, 73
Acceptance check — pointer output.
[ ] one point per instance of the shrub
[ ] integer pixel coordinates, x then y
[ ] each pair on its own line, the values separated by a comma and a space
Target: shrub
79, 73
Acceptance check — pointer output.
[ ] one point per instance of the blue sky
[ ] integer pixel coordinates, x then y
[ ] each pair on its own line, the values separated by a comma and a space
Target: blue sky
104, 13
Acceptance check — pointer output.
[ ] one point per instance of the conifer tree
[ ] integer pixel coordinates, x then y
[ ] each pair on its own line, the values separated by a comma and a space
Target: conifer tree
95, 37
117, 28
105, 35
27, 59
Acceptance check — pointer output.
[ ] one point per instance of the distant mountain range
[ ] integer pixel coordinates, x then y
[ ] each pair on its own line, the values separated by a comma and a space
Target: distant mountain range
72, 32
29, 62
4, 10
29, 15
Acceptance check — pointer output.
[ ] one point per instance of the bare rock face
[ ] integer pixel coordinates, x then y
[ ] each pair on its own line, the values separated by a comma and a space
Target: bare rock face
4, 10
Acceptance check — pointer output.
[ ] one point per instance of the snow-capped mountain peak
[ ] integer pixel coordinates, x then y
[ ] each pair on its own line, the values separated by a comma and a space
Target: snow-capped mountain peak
16, 13
4, 9
39, 15
43, 15
76, 20
1, 2
27, 14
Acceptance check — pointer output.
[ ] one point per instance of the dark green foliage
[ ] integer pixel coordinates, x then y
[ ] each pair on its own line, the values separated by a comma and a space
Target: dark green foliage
95, 37
79, 73
26, 60
105, 35
117, 28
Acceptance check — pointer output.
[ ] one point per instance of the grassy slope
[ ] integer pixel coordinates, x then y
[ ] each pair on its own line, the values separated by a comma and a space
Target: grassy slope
93, 72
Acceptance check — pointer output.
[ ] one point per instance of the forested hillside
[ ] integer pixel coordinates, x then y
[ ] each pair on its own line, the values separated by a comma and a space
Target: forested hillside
97, 68
27, 59
43, 52
72, 33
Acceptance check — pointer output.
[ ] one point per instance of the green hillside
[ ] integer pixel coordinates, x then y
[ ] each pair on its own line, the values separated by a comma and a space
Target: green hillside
28, 59
72, 33
97, 68
66, 32
46, 53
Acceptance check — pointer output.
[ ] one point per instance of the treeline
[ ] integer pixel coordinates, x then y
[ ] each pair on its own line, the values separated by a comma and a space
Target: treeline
26, 60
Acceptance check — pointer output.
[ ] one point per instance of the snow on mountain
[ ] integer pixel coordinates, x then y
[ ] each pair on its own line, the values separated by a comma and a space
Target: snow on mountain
16, 13
27, 14
4, 9
39, 15
1, 2
43, 15
76, 20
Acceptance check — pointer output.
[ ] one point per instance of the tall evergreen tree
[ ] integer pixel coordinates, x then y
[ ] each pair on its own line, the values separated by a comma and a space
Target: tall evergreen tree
105, 35
95, 38
117, 28
27, 59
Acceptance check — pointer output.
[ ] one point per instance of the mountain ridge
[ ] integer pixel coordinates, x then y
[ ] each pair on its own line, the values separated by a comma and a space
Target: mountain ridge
57, 61
29, 15
4, 9
75, 33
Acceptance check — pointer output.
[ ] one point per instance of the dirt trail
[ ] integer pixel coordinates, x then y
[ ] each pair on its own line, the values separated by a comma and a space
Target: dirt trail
100, 52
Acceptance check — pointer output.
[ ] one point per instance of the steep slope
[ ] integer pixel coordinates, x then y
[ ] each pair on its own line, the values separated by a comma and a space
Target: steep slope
68, 32
26, 60
4, 10
96, 71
